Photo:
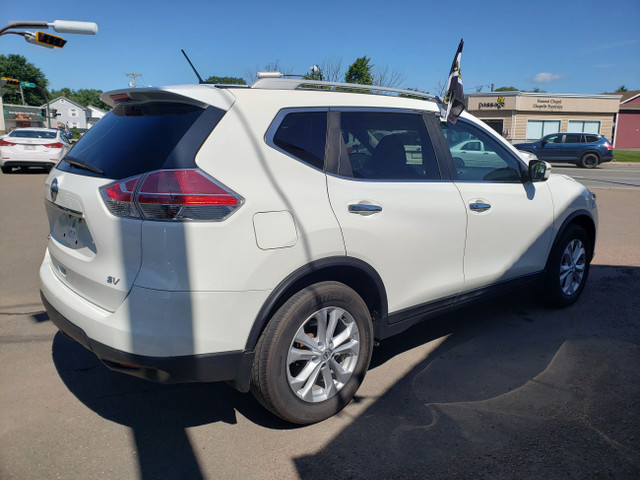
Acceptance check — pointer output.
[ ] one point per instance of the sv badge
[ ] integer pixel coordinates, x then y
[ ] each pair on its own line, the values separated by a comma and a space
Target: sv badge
112, 280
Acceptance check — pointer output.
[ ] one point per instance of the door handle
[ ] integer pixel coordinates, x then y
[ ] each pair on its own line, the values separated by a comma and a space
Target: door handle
479, 206
364, 209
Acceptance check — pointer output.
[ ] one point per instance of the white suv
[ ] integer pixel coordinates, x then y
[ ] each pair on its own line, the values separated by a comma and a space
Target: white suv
269, 235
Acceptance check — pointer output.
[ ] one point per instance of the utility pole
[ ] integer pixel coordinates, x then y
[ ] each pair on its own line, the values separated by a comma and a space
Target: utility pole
133, 76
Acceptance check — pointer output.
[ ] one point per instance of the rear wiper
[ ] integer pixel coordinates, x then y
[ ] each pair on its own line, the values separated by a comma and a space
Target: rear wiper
82, 165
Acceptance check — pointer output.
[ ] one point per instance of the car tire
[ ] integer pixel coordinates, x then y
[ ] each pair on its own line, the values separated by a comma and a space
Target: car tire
7, 169
313, 354
568, 267
589, 160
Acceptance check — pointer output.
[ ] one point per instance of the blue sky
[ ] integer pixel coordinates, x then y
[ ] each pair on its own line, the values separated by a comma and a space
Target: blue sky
557, 46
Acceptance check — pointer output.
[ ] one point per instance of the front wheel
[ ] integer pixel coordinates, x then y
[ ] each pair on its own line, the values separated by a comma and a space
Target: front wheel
568, 267
589, 160
313, 354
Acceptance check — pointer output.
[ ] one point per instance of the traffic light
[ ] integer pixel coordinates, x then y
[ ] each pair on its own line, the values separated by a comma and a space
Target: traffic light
54, 112
11, 81
43, 112
49, 40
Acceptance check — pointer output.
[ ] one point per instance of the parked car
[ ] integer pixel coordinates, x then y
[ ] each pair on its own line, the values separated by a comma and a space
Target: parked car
32, 147
586, 150
212, 233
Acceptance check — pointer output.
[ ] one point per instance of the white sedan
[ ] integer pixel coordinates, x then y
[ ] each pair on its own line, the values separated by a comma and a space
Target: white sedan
33, 147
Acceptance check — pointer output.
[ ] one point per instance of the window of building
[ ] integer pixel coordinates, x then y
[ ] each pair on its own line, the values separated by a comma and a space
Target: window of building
491, 162
584, 126
303, 135
539, 128
388, 146
73, 112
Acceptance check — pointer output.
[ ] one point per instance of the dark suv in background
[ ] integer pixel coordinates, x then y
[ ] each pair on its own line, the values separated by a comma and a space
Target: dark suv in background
587, 150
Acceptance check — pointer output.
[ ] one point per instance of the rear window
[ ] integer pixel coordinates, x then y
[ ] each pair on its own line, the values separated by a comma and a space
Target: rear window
32, 134
138, 138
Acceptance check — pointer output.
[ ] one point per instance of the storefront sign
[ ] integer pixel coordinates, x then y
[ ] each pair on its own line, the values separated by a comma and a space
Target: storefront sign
498, 104
548, 104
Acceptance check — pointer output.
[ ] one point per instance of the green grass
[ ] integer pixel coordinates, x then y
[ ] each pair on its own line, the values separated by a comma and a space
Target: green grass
626, 155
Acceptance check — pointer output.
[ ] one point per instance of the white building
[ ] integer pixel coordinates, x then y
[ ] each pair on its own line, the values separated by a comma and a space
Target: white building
73, 115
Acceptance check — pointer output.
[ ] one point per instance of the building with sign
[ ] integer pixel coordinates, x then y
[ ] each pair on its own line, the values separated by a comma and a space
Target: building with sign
19, 116
525, 116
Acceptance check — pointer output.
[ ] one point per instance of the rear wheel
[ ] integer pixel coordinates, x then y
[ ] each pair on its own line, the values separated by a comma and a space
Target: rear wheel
589, 160
7, 169
568, 267
313, 354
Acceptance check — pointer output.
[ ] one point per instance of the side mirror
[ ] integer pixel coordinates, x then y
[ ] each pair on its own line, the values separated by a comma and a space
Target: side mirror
539, 170
543, 143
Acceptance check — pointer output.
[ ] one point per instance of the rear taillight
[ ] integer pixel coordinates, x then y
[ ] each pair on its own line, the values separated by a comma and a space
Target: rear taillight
53, 145
170, 195
4, 143
608, 146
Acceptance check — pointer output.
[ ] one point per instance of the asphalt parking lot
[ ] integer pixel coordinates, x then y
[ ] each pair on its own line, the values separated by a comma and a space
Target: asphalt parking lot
507, 389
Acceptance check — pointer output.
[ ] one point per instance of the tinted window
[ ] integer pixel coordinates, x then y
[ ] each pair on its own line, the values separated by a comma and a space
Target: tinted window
492, 163
388, 146
137, 138
32, 134
591, 138
303, 135
572, 138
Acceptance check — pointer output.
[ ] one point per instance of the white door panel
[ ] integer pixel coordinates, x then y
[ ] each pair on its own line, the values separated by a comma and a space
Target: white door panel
509, 230
413, 234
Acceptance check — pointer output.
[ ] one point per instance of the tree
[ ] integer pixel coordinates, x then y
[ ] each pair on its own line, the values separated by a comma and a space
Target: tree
360, 72
17, 66
226, 80
83, 96
507, 89
622, 88
385, 77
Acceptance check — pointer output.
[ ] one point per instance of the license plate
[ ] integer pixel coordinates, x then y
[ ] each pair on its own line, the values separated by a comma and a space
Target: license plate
29, 147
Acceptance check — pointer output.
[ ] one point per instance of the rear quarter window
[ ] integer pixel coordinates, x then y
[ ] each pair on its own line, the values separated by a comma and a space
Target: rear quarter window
303, 136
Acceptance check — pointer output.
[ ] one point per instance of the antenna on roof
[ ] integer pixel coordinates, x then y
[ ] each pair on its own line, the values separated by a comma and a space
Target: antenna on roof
194, 68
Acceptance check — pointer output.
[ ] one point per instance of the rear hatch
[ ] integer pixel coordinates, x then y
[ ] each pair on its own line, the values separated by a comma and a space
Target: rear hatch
95, 248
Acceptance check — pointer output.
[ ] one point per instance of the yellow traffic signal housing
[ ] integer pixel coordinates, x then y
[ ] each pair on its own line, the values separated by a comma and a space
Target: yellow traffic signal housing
49, 40
11, 81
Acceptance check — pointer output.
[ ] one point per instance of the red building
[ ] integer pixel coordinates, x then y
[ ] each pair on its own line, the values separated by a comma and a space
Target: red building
627, 126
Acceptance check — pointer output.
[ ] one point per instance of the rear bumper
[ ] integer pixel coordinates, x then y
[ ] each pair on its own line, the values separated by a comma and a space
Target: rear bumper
28, 163
233, 367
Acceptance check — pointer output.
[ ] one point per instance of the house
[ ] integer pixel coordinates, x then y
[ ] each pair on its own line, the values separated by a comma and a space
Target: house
73, 115
627, 122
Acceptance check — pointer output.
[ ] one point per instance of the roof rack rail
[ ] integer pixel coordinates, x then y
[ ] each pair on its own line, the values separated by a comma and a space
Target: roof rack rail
274, 81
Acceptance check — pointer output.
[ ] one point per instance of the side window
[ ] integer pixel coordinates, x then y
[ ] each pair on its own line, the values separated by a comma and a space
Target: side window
554, 139
591, 138
491, 163
572, 138
388, 146
303, 135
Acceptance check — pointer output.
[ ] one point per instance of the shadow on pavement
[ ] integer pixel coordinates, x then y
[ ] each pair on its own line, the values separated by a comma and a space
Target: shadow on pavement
515, 391
157, 414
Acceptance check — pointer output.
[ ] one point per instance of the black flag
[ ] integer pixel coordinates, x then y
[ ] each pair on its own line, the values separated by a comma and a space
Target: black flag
453, 103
